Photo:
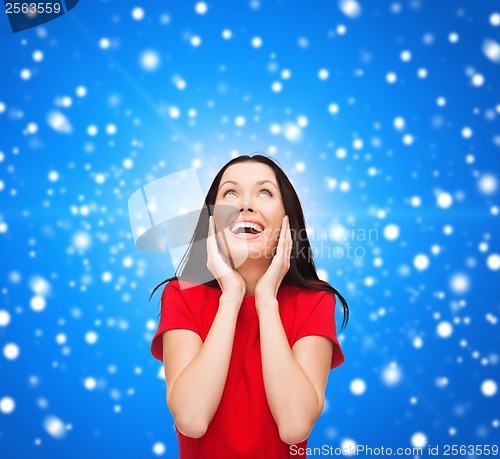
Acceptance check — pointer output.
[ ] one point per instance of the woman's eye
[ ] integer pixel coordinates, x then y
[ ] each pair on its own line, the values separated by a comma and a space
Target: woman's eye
267, 191
227, 192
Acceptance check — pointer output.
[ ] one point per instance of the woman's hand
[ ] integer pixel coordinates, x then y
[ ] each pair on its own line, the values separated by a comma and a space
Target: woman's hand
268, 285
230, 281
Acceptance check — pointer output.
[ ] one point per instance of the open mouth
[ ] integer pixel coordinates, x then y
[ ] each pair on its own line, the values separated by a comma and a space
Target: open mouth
246, 228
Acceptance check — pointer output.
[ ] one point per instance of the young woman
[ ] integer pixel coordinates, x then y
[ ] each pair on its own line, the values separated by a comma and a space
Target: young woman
247, 331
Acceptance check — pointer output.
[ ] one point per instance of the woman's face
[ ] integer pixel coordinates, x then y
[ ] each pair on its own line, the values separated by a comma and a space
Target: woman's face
251, 189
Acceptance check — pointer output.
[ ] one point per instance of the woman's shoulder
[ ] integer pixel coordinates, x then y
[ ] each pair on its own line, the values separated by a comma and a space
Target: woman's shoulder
191, 292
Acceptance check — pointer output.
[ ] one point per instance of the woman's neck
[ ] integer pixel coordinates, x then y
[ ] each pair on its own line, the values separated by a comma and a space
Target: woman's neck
252, 271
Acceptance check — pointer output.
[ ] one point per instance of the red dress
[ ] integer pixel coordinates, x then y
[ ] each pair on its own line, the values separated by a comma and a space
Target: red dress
243, 426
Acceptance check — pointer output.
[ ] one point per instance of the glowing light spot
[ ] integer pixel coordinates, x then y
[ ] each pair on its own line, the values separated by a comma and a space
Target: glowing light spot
149, 60
323, 74
489, 388
358, 386
138, 14
459, 283
487, 184
201, 8
7, 405
257, 42
11, 351
391, 232
444, 200
37, 303
54, 427
493, 262
91, 337
392, 374
421, 262
419, 440
444, 329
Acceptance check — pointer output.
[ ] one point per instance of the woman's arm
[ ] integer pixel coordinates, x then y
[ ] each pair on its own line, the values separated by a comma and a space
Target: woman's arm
295, 380
196, 372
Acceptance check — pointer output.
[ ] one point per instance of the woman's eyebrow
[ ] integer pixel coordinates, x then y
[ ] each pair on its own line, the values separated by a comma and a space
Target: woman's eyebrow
260, 182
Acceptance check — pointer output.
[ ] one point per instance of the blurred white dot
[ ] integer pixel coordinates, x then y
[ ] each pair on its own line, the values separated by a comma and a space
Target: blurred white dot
489, 388
493, 262
54, 426
91, 337
104, 43
444, 329
441, 101
391, 374
227, 34
418, 342
106, 276
195, 40
275, 129
419, 440
444, 200
150, 60
495, 19
137, 13
488, 184
323, 74
256, 42
7, 405
174, 112
128, 262
53, 176
276, 86
100, 178
92, 130
453, 37
421, 262
4, 318
292, 132
11, 351
391, 77
399, 123
478, 80
333, 109
391, 232
415, 201
358, 386
37, 303
111, 129
81, 91
405, 56
422, 73
300, 167
302, 121
90, 383
201, 8
37, 56
240, 121
25, 74
466, 132
459, 283
159, 448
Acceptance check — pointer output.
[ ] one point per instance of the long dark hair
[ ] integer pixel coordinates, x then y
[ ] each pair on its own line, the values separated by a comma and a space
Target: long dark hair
302, 271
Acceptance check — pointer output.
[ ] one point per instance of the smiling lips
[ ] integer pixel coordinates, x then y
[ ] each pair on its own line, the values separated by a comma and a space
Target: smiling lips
247, 228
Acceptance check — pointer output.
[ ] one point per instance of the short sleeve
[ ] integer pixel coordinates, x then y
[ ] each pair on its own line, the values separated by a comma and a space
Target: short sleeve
175, 314
321, 321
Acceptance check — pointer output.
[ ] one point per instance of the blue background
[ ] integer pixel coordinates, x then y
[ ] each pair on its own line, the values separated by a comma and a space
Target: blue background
65, 235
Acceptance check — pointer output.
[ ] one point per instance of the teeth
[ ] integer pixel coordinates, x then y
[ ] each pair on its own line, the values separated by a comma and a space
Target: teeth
254, 226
